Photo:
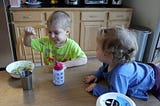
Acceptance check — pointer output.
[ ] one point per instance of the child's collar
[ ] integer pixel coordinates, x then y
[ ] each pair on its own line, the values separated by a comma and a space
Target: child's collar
58, 46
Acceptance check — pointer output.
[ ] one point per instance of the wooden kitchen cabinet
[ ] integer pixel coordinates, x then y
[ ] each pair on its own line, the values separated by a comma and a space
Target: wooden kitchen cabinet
92, 21
22, 19
85, 25
88, 37
90, 24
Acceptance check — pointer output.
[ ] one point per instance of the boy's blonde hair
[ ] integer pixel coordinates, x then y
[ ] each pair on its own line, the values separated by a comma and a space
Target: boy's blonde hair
120, 42
60, 19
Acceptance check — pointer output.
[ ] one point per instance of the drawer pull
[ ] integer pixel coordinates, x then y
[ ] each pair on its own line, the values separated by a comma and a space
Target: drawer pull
26, 17
93, 16
119, 15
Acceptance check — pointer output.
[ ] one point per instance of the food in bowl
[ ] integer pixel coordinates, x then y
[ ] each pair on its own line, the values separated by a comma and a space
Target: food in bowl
16, 67
26, 67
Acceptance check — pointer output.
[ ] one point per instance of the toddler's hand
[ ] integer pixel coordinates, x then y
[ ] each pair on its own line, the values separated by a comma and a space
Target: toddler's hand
90, 79
90, 87
30, 31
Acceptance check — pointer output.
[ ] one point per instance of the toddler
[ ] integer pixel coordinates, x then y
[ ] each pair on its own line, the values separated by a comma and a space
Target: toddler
57, 46
116, 49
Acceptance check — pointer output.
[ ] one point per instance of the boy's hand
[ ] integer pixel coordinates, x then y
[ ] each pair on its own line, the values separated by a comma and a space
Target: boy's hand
27, 37
90, 79
64, 66
29, 31
90, 87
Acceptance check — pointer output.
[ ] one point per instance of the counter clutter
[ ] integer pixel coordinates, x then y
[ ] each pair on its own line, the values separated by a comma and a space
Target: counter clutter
44, 92
67, 3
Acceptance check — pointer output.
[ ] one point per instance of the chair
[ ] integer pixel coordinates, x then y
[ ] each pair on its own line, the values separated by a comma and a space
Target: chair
26, 53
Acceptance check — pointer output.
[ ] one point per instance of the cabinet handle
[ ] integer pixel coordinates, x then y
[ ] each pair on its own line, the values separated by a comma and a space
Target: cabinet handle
27, 17
119, 15
93, 16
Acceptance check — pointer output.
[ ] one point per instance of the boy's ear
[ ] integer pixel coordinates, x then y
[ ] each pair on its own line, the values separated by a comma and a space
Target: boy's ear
68, 31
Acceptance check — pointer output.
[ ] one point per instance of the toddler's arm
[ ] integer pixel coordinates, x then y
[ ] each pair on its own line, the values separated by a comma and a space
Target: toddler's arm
27, 37
76, 62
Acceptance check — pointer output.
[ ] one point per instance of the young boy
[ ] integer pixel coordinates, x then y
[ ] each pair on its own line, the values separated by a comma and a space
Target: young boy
116, 48
57, 46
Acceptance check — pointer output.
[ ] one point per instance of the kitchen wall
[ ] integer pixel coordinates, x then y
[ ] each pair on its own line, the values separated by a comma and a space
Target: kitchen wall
146, 13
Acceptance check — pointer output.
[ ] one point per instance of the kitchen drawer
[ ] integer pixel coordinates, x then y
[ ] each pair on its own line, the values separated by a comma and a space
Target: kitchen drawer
112, 24
70, 13
119, 15
28, 16
93, 16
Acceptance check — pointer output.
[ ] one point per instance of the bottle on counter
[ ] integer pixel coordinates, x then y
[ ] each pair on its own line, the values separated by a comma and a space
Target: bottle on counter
54, 1
58, 74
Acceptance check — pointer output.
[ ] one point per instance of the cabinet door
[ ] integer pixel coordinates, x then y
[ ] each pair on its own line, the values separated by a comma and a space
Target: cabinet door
75, 25
88, 37
26, 53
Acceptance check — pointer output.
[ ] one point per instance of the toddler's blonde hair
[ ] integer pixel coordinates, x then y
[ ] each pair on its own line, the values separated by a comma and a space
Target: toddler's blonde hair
120, 42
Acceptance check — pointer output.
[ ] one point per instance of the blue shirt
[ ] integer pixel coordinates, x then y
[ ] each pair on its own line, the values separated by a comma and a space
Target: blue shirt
133, 79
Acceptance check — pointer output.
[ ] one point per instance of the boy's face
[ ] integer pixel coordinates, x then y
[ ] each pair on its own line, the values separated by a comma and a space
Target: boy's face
57, 34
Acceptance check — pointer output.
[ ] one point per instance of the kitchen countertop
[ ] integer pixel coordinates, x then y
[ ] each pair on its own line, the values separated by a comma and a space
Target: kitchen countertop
47, 5
35, 8
45, 93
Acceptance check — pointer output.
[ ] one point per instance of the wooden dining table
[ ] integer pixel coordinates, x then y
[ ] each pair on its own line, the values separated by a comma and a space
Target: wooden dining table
45, 93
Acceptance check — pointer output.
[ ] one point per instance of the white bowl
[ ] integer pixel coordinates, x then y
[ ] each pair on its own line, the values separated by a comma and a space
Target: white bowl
15, 65
123, 100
